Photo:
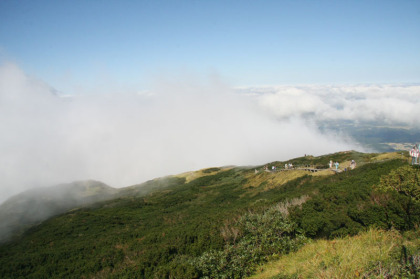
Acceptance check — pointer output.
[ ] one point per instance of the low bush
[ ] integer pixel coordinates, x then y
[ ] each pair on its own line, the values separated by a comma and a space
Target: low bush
262, 235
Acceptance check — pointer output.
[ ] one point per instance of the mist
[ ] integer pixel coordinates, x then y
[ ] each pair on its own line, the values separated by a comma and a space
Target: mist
182, 123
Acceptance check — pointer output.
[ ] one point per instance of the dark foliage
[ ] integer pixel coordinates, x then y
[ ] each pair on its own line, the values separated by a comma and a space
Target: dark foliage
177, 231
346, 203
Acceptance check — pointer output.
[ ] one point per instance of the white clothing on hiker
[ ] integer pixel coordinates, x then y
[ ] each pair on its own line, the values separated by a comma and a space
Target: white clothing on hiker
414, 153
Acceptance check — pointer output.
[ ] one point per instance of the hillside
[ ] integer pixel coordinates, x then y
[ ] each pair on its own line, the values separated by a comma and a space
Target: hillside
33, 206
217, 222
386, 254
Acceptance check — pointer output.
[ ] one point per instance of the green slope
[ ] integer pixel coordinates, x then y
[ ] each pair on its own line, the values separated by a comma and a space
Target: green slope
217, 222
386, 254
34, 206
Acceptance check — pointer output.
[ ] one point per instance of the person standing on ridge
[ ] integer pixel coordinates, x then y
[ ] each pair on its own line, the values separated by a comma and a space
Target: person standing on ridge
414, 153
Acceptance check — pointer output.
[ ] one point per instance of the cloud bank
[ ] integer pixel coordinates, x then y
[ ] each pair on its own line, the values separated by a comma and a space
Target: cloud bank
387, 104
181, 124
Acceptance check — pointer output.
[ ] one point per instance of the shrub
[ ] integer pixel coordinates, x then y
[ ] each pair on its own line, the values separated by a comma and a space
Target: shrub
262, 235
404, 180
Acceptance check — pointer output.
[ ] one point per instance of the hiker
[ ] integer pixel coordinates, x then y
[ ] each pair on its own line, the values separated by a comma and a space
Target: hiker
336, 165
331, 164
418, 154
352, 164
414, 153
285, 166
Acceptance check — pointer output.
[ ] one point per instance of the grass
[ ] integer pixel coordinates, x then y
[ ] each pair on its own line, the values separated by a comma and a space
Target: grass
349, 257
192, 175
271, 180
388, 156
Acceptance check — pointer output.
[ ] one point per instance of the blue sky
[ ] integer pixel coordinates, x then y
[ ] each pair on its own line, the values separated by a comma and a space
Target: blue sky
81, 44
329, 60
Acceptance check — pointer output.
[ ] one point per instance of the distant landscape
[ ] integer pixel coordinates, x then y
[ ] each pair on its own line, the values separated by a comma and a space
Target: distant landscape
377, 137
226, 222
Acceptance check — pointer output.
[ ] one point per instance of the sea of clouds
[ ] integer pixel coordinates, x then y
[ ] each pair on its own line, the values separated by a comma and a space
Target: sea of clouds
180, 124
387, 104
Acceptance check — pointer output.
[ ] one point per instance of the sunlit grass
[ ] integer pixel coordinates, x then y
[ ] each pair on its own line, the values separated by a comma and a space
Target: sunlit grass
388, 156
270, 180
349, 257
192, 175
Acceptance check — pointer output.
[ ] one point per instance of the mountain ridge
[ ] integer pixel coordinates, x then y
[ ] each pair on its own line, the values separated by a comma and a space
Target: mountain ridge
219, 223
36, 205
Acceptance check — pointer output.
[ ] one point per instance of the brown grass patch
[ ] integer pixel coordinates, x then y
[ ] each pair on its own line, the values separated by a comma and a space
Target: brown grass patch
338, 258
270, 180
387, 156
192, 175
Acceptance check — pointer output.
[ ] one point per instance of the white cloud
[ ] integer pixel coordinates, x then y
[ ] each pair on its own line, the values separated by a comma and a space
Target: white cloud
124, 139
391, 104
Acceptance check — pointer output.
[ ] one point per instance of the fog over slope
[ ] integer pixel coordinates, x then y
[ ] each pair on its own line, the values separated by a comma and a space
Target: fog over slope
182, 123
36, 205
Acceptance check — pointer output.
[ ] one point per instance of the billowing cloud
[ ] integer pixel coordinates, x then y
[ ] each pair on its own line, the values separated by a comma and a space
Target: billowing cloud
388, 104
124, 139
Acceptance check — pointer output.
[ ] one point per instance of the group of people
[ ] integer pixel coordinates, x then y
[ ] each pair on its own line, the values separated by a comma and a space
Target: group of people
336, 164
414, 153
274, 168
331, 164
288, 166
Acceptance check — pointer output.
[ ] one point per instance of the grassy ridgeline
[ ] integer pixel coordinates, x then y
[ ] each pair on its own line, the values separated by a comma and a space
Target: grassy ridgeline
175, 232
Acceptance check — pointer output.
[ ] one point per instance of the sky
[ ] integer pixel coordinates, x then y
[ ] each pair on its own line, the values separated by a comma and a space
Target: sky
126, 91
75, 45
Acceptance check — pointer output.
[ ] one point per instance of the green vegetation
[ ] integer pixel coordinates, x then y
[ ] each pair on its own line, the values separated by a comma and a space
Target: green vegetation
260, 236
404, 180
215, 223
346, 203
34, 206
386, 254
